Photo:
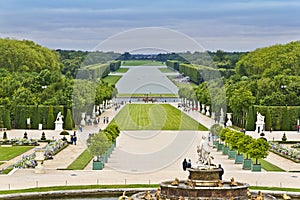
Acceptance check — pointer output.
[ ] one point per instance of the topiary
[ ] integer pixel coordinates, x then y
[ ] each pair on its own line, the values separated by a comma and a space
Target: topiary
68, 120
43, 136
4, 136
284, 137
25, 136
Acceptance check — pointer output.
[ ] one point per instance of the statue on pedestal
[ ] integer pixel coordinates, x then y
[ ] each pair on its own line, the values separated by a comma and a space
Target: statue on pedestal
59, 122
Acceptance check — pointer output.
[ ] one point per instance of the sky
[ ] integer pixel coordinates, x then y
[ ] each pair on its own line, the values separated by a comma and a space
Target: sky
229, 25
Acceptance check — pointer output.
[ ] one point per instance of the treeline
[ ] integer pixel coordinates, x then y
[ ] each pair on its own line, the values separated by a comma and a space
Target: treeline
268, 77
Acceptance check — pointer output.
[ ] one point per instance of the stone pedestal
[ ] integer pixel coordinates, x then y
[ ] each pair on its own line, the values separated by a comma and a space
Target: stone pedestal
229, 122
207, 111
59, 125
260, 123
39, 157
82, 122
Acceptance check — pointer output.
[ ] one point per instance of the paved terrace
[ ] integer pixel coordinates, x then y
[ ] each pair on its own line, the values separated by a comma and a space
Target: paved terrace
134, 172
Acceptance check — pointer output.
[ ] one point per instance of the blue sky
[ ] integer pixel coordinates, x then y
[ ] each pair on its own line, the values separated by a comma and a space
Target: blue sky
231, 25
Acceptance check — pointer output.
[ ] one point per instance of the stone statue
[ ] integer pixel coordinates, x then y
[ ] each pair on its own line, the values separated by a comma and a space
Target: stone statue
260, 118
157, 194
123, 197
59, 117
175, 182
147, 195
204, 150
285, 196
232, 182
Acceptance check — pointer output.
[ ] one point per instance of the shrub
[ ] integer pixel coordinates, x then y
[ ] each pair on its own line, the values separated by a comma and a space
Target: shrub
25, 136
50, 119
250, 123
43, 136
284, 137
68, 120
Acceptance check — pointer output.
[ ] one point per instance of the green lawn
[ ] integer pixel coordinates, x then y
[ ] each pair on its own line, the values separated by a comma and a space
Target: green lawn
81, 161
269, 166
166, 70
122, 70
147, 95
141, 62
111, 80
155, 117
8, 153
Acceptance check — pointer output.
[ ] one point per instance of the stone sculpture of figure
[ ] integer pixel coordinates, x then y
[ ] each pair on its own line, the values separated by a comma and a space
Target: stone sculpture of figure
204, 150
147, 195
157, 194
123, 197
259, 196
285, 196
260, 118
175, 182
232, 182
59, 117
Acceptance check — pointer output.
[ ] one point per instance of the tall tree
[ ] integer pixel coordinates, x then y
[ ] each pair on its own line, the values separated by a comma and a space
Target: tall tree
268, 120
68, 120
50, 118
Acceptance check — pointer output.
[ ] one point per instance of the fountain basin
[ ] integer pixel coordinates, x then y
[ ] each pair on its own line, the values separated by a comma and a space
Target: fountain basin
203, 192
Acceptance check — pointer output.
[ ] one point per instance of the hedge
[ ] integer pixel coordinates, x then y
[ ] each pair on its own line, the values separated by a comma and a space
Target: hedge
115, 65
37, 115
277, 113
94, 71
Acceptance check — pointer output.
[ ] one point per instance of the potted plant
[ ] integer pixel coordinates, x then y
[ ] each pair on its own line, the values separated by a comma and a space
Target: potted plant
234, 143
224, 136
98, 144
258, 149
215, 131
244, 145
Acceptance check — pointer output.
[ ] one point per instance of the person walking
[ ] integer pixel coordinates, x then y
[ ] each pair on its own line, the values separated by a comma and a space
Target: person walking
184, 164
221, 172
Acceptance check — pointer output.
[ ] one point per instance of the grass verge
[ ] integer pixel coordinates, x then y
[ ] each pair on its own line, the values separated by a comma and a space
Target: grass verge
111, 80
148, 95
155, 117
81, 161
269, 166
275, 188
166, 70
77, 187
141, 62
8, 153
121, 70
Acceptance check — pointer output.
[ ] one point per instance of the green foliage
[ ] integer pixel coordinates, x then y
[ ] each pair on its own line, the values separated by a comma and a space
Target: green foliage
115, 65
99, 144
234, 139
68, 120
284, 137
259, 148
244, 144
50, 119
112, 131
285, 123
268, 124
250, 123
111, 79
216, 129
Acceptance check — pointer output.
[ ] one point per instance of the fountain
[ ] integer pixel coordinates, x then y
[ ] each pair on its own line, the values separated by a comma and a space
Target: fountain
203, 181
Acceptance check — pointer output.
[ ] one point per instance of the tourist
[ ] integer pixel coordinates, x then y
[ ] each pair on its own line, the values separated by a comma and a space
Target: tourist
184, 164
74, 139
80, 128
189, 164
221, 172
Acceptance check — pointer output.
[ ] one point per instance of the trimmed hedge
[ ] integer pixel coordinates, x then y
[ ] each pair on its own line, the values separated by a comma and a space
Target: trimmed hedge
277, 114
37, 114
93, 71
115, 65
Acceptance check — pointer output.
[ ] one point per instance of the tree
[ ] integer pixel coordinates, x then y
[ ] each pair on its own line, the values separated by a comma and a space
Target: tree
244, 144
268, 120
50, 118
234, 140
68, 120
285, 122
216, 129
250, 123
258, 149
98, 144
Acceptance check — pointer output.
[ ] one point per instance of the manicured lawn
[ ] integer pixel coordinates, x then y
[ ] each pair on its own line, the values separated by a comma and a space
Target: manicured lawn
147, 95
111, 80
269, 166
141, 62
155, 117
8, 153
122, 70
81, 161
166, 70
78, 187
